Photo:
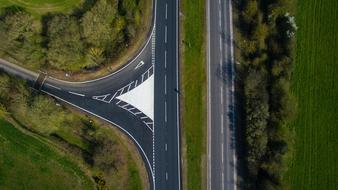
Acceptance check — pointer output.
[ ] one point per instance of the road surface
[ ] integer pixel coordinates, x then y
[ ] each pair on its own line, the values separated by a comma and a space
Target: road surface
141, 98
221, 113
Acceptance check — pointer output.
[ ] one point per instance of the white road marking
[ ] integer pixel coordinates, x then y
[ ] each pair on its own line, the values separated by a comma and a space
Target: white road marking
222, 153
141, 97
222, 180
219, 15
137, 113
221, 98
53, 86
131, 109
166, 11
222, 126
165, 111
77, 94
139, 65
137, 143
220, 46
165, 59
165, 34
166, 147
166, 176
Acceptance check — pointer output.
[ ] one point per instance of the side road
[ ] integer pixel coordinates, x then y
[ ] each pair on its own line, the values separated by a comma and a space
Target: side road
221, 106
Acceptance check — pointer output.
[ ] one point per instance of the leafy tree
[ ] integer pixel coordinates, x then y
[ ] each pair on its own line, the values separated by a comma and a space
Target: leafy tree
65, 48
97, 23
20, 38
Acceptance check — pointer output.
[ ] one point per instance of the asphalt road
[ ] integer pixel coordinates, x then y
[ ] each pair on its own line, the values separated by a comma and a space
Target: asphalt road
221, 113
157, 140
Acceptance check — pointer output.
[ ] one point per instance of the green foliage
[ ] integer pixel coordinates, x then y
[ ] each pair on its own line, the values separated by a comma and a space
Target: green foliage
314, 82
90, 37
20, 38
65, 48
28, 162
99, 149
97, 23
265, 41
194, 91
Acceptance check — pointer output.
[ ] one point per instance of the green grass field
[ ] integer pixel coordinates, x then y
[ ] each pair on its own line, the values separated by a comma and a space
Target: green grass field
194, 91
29, 163
315, 84
40, 7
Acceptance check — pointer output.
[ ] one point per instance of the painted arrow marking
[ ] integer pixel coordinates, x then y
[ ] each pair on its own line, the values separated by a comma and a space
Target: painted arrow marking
139, 65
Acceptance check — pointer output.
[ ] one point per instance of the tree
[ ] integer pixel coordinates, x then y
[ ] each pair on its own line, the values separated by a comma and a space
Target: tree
20, 38
106, 155
97, 23
65, 47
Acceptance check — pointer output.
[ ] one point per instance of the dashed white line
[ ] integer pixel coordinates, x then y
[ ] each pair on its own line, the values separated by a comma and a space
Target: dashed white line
221, 98
222, 126
166, 176
165, 59
219, 15
220, 44
222, 153
165, 111
53, 86
165, 34
222, 180
166, 147
166, 11
77, 94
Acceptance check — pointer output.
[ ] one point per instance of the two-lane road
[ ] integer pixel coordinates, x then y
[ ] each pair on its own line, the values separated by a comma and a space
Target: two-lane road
221, 113
167, 102
141, 98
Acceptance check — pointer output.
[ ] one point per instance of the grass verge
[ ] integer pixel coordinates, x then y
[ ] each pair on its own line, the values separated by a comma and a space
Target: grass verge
193, 84
40, 7
314, 83
28, 162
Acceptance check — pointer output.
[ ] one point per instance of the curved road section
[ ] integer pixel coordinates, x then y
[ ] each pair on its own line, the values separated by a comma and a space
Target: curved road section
141, 99
221, 114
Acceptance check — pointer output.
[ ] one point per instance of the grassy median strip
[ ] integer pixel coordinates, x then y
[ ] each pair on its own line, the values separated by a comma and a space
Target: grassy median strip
314, 83
193, 84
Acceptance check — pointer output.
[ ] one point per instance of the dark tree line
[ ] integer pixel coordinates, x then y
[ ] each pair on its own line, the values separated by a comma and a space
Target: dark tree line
88, 38
264, 41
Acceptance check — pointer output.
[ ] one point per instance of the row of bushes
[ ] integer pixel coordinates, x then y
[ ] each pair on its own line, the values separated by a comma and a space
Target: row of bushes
98, 148
264, 41
92, 35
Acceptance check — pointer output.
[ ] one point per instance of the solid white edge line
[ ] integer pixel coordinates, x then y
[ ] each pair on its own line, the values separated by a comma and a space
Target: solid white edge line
209, 94
106, 121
